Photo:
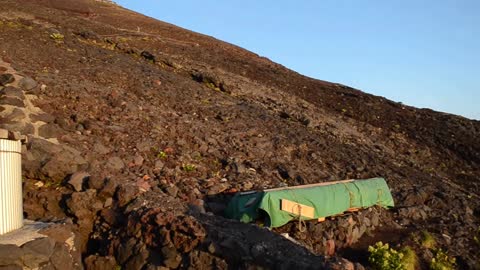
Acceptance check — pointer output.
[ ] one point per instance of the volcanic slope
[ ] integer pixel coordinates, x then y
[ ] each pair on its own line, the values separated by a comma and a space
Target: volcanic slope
161, 125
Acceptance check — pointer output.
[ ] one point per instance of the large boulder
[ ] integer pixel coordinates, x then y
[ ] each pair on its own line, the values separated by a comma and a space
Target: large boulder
51, 162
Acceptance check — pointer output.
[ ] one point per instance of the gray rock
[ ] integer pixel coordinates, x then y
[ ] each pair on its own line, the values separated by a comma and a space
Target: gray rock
22, 128
124, 251
358, 266
11, 91
100, 263
15, 116
44, 117
108, 202
109, 188
126, 194
46, 159
172, 257
219, 188
172, 191
101, 149
138, 160
27, 83
10, 255
6, 79
49, 131
61, 258
115, 163
38, 251
11, 267
138, 261
13, 101
144, 146
95, 182
78, 180
159, 164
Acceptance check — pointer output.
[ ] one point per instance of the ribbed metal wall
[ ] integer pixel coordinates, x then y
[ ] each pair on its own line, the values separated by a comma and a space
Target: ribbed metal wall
11, 198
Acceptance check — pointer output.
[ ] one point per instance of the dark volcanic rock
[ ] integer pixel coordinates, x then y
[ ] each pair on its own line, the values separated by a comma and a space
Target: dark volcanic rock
10, 255
48, 160
44, 117
49, 131
6, 78
78, 180
38, 252
11, 91
94, 262
13, 101
27, 83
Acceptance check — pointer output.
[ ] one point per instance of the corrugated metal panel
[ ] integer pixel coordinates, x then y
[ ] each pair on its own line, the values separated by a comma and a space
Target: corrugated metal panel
11, 198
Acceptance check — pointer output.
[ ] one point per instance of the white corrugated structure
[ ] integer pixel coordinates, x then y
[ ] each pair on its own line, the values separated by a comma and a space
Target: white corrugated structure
11, 198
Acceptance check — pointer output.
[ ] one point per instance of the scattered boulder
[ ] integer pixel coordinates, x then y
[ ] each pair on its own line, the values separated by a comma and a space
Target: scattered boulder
27, 83
11, 91
44, 117
115, 163
49, 130
95, 262
46, 160
12, 101
10, 255
6, 78
78, 180
38, 252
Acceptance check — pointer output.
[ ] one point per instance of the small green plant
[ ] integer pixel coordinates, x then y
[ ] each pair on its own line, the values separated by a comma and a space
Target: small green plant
189, 167
409, 259
162, 155
382, 257
51, 184
57, 37
427, 240
441, 261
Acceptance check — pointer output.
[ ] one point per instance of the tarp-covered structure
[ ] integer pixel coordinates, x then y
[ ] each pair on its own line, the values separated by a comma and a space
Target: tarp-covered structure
308, 202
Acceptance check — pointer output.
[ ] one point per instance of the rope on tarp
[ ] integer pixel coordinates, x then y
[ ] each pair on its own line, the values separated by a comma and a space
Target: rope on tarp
302, 227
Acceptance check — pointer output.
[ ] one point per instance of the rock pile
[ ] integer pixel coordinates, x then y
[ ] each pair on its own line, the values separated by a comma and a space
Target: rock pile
337, 232
41, 246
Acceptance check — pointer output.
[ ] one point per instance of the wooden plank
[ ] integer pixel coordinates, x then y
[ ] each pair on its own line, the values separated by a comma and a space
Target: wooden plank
311, 185
297, 209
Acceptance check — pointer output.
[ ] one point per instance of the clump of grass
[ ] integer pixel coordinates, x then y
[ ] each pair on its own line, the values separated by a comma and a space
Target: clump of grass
57, 37
427, 240
189, 167
441, 261
409, 259
162, 155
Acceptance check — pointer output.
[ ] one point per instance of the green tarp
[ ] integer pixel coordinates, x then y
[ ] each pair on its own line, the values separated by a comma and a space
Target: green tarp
327, 200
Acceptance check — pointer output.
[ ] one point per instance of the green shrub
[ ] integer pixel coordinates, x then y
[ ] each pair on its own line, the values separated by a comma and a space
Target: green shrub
441, 261
382, 257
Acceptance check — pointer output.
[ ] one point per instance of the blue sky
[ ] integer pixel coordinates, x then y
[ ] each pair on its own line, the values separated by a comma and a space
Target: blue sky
423, 53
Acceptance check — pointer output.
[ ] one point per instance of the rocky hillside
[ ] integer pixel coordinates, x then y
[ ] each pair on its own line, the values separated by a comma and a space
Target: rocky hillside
139, 131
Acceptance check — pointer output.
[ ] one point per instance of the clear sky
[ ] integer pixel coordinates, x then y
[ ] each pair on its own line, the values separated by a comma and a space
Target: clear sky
424, 53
